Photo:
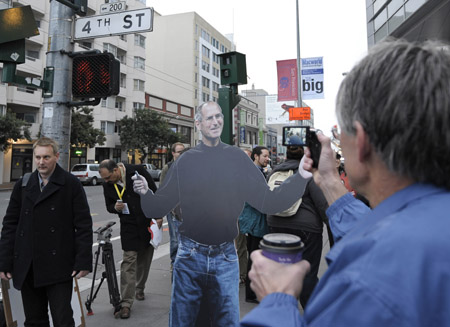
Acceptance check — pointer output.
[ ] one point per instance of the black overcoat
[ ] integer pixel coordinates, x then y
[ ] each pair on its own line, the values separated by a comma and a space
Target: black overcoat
134, 233
52, 230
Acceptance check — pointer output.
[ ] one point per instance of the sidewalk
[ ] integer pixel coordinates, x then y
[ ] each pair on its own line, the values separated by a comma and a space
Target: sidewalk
154, 310
7, 186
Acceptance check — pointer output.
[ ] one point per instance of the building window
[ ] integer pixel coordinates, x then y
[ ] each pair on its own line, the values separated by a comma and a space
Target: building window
205, 66
27, 117
139, 85
138, 105
196, 77
186, 132
215, 71
412, 5
205, 82
103, 103
110, 48
123, 37
122, 58
119, 105
215, 86
380, 19
205, 97
205, 51
117, 153
123, 80
107, 127
215, 58
196, 61
139, 40
86, 45
222, 48
196, 94
32, 55
205, 35
139, 63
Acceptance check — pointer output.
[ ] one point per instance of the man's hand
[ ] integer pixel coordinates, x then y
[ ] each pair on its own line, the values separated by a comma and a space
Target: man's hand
268, 276
140, 184
326, 175
119, 206
80, 274
5, 275
327, 163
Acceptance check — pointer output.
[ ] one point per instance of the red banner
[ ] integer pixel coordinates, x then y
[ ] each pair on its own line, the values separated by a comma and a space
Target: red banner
287, 80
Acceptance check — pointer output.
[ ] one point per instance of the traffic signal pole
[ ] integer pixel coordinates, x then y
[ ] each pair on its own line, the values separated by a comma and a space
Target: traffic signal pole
228, 100
56, 115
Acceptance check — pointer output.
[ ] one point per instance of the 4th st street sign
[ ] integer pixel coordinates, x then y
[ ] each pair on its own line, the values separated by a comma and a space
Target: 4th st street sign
124, 22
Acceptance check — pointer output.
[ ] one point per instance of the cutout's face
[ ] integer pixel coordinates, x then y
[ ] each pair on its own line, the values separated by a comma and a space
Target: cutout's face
45, 159
211, 124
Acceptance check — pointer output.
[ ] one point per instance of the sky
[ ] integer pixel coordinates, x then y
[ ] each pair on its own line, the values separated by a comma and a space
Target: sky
265, 31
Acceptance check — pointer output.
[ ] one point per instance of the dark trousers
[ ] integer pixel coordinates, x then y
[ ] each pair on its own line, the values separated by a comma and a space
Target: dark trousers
37, 299
252, 245
312, 253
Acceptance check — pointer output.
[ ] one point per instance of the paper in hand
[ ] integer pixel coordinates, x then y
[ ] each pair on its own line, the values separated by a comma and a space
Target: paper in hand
156, 234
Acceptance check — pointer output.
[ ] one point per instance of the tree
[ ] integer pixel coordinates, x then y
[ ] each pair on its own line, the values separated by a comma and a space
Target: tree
12, 128
146, 131
82, 134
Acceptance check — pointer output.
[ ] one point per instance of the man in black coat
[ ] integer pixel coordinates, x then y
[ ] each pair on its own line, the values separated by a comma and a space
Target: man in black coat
137, 252
46, 238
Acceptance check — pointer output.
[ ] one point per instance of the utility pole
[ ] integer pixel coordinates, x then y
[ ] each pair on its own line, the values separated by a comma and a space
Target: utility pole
299, 72
56, 116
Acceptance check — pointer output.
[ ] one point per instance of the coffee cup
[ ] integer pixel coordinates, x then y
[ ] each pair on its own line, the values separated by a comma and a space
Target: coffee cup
282, 248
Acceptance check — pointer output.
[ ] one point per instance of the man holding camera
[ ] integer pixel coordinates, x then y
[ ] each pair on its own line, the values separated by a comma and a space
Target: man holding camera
134, 235
46, 238
390, 264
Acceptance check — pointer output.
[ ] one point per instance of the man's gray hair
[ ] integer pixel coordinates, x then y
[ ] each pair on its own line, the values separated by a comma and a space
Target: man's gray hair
199, 113
400, 94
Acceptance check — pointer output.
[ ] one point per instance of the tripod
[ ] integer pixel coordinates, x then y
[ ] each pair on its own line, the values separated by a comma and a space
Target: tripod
104, 245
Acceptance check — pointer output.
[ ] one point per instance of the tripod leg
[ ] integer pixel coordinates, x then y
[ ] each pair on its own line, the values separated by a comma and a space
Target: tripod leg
91, 298
111, 277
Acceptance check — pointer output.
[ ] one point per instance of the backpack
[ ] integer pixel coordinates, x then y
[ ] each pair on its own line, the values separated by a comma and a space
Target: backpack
275, 180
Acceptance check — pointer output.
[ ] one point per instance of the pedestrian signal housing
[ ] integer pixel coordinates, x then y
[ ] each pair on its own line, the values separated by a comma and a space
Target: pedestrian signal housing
95, 75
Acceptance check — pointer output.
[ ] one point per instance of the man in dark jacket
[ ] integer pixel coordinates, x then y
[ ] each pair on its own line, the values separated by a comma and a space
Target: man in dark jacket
307, 222
46, 238
135, 237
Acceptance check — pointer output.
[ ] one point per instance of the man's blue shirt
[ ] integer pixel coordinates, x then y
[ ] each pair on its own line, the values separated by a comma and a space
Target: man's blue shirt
390, 266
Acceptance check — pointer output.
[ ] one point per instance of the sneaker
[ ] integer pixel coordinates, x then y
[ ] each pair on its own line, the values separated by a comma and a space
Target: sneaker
140, 296
125, 313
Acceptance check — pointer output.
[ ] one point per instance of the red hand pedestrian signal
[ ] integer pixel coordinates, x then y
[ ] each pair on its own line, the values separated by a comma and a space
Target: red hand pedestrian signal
95, 75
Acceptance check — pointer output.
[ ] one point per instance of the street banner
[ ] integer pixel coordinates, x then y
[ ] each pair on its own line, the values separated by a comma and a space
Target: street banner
287, 80
312, 78
277, 112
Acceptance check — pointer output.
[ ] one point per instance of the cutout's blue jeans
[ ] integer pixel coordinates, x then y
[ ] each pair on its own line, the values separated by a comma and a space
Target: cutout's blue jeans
173, 234
208, 272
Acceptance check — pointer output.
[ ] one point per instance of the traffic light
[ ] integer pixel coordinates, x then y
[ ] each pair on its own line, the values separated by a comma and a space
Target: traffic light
233, 69
95, 75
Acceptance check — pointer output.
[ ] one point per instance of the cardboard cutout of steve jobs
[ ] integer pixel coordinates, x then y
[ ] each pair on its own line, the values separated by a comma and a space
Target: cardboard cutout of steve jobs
211, 183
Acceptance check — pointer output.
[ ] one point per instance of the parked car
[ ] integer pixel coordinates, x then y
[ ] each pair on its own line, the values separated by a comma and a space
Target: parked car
153, 171
87, 173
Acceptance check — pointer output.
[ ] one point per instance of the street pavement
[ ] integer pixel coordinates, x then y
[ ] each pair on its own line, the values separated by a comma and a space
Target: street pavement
154, 310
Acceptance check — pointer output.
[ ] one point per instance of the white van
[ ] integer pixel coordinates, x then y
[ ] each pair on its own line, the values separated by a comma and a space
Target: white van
87, 173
